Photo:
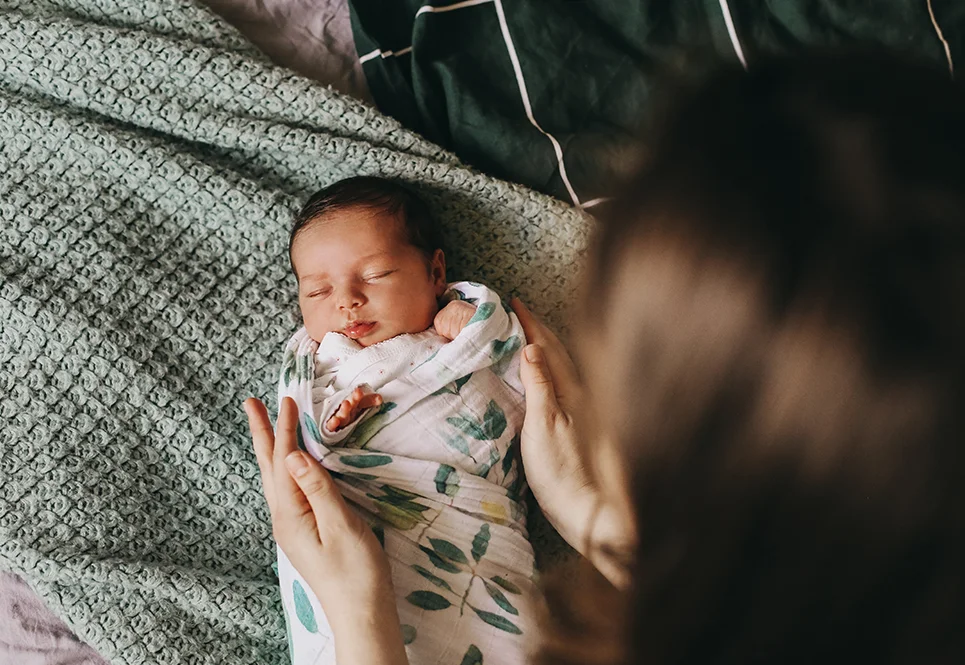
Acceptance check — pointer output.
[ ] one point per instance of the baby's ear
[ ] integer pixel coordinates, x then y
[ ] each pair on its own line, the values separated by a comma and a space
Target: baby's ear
437, 272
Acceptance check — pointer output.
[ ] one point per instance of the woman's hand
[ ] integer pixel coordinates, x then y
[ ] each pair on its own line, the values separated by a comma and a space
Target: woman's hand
552, 456
332, 548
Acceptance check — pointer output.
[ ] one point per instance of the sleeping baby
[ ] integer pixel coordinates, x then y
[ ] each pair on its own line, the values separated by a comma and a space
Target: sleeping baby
408, 390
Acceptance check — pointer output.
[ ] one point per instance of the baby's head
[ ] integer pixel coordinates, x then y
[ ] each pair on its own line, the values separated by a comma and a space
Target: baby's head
366, 253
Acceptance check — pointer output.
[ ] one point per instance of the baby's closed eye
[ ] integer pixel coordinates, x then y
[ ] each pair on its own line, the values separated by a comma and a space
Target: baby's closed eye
320, 293
378, 275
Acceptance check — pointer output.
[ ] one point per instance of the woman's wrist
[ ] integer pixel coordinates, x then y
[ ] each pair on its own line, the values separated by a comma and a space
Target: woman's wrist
593, 528
571, 513
363, 617
375, 636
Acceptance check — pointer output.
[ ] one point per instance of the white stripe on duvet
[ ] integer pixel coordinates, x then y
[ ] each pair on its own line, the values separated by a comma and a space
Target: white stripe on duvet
557, 148
941, 37
729, 22
372, 55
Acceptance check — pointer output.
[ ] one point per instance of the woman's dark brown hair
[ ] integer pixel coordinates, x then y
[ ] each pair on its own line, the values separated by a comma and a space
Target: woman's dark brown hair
779, 301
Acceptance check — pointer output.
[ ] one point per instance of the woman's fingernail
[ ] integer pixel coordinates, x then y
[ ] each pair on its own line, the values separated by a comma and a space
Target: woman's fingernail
297, 463
531, 351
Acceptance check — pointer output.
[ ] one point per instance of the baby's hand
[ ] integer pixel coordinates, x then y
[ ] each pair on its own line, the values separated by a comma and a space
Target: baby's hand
452, 318
350, 409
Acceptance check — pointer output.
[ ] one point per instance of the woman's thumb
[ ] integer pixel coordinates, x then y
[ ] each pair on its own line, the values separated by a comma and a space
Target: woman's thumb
537, 381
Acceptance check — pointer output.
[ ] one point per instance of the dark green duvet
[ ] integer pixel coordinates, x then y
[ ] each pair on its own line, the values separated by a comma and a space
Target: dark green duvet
550, 93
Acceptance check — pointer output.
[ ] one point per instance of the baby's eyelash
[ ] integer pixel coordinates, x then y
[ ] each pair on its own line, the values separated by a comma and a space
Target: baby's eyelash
379, 275
320, 292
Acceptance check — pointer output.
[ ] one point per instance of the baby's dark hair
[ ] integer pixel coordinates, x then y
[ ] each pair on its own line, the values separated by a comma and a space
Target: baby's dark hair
788, 267
377, 194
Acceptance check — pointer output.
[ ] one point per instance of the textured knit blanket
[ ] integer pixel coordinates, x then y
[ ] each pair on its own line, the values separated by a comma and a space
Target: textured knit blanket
150, 161
435, 471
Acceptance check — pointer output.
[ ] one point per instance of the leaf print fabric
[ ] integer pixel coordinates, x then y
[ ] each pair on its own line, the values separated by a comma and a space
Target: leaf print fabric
473, 656
435, 471
303, 608
499, 622
428, 600
480, 543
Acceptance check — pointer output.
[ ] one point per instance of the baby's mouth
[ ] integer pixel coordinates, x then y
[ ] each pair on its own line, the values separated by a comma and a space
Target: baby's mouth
358, 329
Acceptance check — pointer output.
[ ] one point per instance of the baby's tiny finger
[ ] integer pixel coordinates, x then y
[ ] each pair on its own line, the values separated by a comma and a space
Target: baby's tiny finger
370, 400
344, 410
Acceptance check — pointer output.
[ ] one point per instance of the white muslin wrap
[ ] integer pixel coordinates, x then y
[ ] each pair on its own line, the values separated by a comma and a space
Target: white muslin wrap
435, 471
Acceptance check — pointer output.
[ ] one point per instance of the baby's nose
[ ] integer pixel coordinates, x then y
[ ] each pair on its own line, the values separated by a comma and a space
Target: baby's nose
351, 298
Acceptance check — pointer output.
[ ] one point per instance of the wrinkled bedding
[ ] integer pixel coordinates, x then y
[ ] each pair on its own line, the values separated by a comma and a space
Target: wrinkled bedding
311, 37
314, 38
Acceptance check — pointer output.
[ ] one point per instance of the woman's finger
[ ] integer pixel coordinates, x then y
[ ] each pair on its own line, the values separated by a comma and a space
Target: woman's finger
562, 371
317, 486
287, 496
538, 382
263, 440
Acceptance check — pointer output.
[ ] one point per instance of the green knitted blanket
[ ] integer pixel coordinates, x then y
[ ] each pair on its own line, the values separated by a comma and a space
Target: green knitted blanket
150, 160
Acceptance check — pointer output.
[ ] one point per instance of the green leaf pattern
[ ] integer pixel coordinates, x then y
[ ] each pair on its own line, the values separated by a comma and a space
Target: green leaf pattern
459, 444
483, 312
428, 600
506, 584
365, 461
473, 656
503, 351
365, 430
447, 550
447, 480
312, 428
500, 598
288, 367
438, 581
303, 608
439, 562
497, 621
399, 507
480, 543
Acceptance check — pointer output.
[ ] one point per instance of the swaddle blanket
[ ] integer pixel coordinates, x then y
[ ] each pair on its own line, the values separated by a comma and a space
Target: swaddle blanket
434, 470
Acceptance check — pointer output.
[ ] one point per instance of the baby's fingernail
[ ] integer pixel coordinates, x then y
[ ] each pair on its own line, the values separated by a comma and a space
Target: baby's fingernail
297, 463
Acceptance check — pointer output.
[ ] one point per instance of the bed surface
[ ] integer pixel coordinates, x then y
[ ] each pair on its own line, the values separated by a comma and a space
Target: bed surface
311, 37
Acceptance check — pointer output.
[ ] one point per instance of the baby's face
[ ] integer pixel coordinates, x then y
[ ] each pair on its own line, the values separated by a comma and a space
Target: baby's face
358, 276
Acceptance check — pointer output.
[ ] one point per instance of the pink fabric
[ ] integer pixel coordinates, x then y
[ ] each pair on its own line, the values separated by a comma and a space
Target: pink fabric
312, 37
30, 634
